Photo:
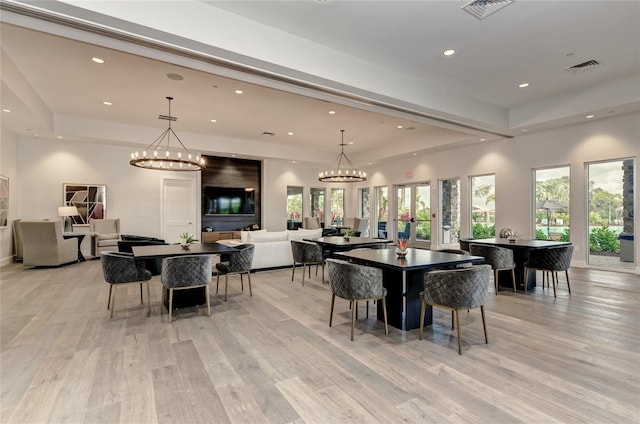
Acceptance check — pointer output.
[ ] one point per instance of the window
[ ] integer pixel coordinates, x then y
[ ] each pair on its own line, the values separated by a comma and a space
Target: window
450, 210
364, 208
317, 204
381, 205
551, 213
294, 207
483, 206
337, 206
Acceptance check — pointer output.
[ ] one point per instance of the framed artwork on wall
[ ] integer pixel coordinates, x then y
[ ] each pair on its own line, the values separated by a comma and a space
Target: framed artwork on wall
4, 201
89, 199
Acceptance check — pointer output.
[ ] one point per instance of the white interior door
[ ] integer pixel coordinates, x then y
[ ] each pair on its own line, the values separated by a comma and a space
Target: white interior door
178, 208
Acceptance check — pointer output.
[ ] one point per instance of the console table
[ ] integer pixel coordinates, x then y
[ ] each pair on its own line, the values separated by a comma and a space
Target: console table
79, 237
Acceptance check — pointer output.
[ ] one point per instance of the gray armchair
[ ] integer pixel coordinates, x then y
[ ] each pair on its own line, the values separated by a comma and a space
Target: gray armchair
306, 254
43, 244
185, 272
239, 263
355, 283
105, 234
455, 289
123, 269
17, 239
550, 261
499, 258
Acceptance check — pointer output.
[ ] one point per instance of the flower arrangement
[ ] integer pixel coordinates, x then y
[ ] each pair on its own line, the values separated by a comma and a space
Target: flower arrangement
187, 239
403, 244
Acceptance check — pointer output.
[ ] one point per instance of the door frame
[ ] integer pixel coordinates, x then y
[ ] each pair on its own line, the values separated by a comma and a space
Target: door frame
422, 244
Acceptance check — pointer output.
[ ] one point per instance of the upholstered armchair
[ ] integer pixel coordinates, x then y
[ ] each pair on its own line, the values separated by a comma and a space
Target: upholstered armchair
123, 269
185, 272
550, 261
306, 254
455, 289
239, 263
356, 283
43, 244
105, 234
499, 258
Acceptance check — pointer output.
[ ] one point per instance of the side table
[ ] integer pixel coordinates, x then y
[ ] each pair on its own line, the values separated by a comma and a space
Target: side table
79, 237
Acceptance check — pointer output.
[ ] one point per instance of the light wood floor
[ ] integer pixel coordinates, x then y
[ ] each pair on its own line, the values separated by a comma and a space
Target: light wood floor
273, 358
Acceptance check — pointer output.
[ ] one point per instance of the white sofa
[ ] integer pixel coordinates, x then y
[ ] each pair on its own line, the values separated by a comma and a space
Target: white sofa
272, 248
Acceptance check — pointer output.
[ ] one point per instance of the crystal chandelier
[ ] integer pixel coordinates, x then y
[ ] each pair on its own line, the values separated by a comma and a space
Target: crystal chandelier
158, 156
342, 170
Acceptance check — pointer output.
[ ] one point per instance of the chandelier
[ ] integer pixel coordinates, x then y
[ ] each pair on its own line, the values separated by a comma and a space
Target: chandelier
158, 156
342, 170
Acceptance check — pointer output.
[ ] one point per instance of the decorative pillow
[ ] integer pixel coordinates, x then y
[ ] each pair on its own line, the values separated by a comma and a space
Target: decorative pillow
258, 236
245, 234
108, 236
303, 233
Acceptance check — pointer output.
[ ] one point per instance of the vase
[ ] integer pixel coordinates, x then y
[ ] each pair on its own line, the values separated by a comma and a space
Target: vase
401, 252
185, 246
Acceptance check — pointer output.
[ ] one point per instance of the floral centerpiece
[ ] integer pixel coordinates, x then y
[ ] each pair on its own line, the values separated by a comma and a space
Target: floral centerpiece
186, 240
401, 250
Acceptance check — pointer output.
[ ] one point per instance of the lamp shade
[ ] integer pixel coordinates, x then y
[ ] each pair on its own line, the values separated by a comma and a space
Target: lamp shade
67, 211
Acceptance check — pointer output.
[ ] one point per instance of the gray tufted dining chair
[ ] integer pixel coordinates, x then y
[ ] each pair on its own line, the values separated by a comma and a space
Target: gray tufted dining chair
185, 272
455, 289
355, 283
307, 254
239, 263
122, 269
550, 261
499, 258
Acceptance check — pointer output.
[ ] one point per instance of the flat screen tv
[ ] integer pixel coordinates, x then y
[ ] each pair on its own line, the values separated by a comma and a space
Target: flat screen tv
228, 201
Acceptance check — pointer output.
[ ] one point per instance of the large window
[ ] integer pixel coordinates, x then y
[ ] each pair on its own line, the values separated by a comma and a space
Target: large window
381, 207
413, 214
364, 208
483, 206
450, 210
317, 203
611, 213
552, 203
294, 207
337, 206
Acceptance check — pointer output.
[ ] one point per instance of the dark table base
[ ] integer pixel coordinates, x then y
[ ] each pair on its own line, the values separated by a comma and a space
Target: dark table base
186, 298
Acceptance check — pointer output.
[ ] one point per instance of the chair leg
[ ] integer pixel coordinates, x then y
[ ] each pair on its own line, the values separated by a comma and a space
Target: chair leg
495, 279
423, 308
217, 281
484, 325
353, 317
164, 296
109, 300
367, 309
148, 299
309, 267
304, 265
113, 299
513, 278
249, 278
333, 301
384, 314
458, 325
566, 272
323, 274
553, 283
293, 273
141, 301
241, 283
526, 279
226, 285
170, 305
208, 300
453, 326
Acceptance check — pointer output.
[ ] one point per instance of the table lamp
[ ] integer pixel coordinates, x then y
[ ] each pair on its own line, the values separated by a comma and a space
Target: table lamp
67, 212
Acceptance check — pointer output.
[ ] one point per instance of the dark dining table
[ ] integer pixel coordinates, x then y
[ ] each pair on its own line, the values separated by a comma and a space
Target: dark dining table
404, 279
190, 297
334, 244
521, 249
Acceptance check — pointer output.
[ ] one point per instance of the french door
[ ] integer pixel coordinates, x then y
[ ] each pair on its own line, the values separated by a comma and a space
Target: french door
413, 214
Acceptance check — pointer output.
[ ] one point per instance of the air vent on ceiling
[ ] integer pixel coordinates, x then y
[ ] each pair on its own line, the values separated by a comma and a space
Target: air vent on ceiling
589, 64
483, 8
271, 134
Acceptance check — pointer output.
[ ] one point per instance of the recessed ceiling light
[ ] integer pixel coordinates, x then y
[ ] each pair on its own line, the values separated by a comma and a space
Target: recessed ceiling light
60, 137
351, 142
239, 92
523, 85
415, 154
332, 112
97, 60
233, 156
399, 126
175, 77
525, 130
589, 116
449, 52
370, 163
483, 139
290, 133
106, 103
214, 120
6, 110
293, 161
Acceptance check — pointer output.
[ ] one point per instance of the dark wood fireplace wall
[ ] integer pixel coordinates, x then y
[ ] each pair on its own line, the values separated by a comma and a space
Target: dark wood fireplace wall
232, 173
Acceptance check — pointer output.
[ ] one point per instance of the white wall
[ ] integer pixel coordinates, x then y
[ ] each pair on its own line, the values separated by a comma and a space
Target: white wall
9, 168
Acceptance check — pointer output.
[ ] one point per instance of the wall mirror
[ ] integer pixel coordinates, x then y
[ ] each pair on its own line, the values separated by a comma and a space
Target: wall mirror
89, 199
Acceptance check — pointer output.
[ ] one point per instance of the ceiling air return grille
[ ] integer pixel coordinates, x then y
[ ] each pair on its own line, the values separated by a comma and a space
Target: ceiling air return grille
483, 8
589, 64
